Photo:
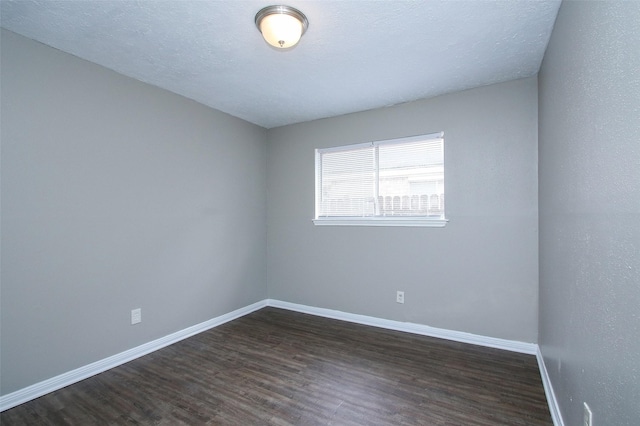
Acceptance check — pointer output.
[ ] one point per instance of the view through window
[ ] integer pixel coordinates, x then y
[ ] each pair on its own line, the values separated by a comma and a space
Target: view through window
399, 181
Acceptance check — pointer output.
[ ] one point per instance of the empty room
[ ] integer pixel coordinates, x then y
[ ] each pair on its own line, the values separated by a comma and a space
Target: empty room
320, 212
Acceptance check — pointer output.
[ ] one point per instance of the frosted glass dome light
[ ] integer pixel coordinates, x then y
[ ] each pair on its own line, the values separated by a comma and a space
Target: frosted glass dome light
281, 26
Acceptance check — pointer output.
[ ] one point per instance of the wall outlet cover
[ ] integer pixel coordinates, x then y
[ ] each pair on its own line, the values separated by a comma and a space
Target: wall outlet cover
136, 316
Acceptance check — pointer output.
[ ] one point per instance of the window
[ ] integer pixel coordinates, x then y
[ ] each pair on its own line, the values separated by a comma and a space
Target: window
397, 182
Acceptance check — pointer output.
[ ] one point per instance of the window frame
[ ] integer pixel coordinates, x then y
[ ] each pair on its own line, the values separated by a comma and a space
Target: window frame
419, 221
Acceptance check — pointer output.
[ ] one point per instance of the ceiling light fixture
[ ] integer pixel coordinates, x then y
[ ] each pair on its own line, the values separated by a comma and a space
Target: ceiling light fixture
281, 26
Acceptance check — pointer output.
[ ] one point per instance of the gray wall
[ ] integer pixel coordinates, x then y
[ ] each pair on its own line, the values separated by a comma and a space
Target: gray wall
590, 211
117, 195
479, 274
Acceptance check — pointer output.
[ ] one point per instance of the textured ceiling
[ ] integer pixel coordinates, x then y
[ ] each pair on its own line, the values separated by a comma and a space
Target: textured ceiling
356, 55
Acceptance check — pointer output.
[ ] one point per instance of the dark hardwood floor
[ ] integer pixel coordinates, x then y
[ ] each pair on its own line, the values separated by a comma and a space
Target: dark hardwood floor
275, 367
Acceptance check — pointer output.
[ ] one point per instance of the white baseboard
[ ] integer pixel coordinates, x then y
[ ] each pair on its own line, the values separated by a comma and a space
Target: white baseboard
36, 390
425, 330
554, 408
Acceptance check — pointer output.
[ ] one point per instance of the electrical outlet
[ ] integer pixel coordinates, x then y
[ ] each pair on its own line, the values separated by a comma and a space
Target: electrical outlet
400, 297
588, 415
136, 316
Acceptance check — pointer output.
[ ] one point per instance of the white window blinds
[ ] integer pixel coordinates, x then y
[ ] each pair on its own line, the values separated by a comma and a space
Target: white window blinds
395, 181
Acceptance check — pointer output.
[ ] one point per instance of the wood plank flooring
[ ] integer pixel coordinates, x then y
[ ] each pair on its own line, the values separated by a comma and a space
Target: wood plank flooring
275, 367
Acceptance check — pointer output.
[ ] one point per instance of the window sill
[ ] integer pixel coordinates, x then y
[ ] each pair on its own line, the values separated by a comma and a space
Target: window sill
421, 222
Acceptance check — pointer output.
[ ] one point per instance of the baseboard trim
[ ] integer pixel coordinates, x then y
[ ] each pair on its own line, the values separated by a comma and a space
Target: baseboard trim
554, 408
407, 327
42, 388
